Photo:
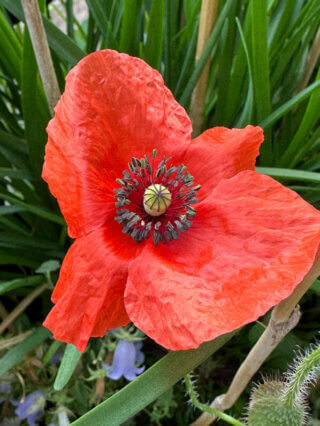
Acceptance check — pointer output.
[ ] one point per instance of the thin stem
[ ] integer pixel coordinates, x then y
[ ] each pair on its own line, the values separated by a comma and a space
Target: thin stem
41, 50
300, 376
22, 306
284, 318
7, 343
203, 407
3, 315
208, 17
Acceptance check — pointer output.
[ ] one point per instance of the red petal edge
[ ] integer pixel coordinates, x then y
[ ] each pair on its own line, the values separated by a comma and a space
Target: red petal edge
220, 153
89, 294
253, 242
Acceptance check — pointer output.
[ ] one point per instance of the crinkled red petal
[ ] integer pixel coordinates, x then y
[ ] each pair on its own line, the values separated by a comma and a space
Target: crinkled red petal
114, 107
252, 242
221, 153
89, 294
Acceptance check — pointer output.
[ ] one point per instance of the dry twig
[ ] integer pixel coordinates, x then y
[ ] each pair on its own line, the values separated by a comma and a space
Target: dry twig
7, 343
22, 306
41, 50
207, 20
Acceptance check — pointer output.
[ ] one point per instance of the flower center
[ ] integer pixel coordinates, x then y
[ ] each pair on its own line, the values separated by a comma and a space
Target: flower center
155, 200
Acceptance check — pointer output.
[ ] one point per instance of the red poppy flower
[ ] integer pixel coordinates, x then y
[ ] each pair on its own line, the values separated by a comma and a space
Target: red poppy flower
185, 264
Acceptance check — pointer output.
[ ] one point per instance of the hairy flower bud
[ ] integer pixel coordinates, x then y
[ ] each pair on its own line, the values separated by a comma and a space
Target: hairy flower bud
267, 407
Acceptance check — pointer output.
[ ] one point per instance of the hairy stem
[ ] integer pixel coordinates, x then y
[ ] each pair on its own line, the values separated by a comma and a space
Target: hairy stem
41, 50
203, 407
300, 376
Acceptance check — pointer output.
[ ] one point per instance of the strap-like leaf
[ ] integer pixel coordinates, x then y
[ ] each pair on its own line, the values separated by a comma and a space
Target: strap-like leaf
68, 364
290, 174
150, 385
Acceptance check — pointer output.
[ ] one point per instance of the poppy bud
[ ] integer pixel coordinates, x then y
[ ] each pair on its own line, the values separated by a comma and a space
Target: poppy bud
267, 407
156, 199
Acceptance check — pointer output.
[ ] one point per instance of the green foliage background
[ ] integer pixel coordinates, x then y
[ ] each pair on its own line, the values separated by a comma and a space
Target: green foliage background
259, 53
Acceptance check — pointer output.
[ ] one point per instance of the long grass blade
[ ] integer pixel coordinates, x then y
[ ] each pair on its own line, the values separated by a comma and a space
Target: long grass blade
150, 385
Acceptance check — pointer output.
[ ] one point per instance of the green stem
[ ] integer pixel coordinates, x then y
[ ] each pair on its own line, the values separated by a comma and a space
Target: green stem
203, 407
299, 377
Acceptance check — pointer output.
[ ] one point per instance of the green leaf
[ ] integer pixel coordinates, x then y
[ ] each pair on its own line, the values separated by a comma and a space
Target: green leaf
10, 209
171, 19
63, 45
35, 110
14, 149
315, 288
246, 115
68, 364
8, 117
7, 258
16, 354
286, 107
187, 64
10, 240
260, 69
130, 26
15, 174
69, 10
237, 85
19, 282
225, 58
291, 44
55, 345
153, 48
290, 174
10, 47
48, 266
39, 211
105, 26
150, 385
291, 157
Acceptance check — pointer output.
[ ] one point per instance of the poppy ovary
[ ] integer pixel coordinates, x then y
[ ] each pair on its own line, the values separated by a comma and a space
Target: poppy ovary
156, 199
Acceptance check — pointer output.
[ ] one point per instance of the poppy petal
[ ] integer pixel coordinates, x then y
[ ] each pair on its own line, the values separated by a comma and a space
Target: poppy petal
221, 153
114, 107
253, 243
89, 294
